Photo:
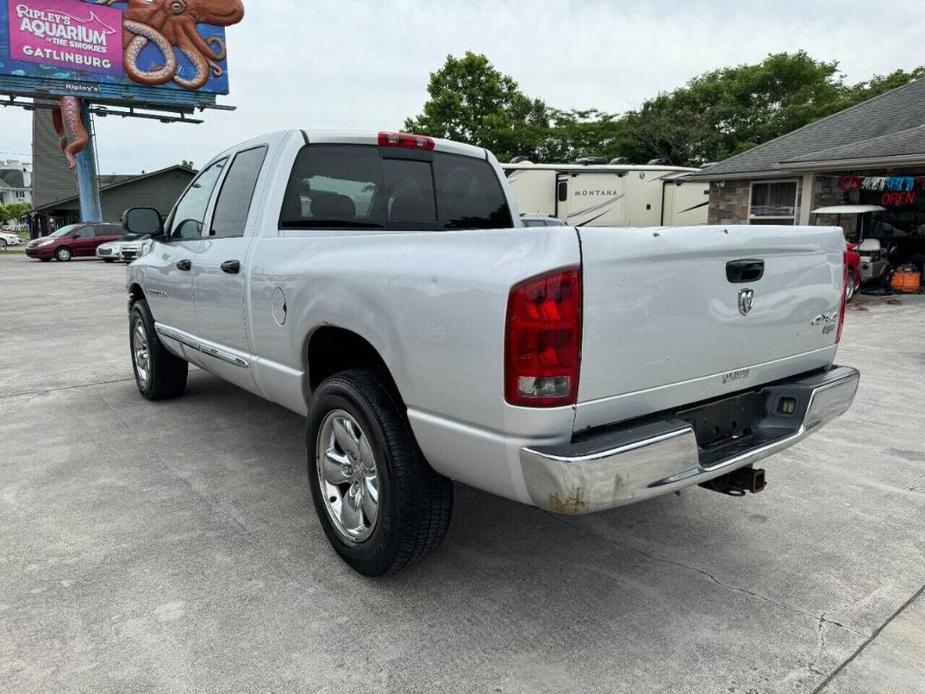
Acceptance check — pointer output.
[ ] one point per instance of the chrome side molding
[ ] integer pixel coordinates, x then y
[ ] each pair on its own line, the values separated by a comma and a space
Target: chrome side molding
193, 343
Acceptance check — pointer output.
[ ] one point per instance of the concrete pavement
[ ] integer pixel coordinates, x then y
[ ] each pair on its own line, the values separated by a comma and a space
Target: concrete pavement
172, 547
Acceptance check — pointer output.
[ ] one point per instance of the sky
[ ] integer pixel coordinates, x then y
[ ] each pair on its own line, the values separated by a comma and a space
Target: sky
365, 65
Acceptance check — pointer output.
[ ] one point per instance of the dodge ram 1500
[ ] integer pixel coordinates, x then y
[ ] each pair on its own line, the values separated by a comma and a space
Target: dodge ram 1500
384, 286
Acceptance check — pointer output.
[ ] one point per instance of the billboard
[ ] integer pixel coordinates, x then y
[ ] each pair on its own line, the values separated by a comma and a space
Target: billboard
136, 52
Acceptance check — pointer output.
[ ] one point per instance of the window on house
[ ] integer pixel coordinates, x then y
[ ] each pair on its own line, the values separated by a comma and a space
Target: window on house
773, 202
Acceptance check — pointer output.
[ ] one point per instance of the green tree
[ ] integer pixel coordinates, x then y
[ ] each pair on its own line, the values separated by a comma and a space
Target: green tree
727, 111
473, 102
582, 133
9, 213
879, 84
715, 115
188, 164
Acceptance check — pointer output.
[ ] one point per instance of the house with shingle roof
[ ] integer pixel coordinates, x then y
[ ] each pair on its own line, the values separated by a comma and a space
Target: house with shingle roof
872, 153
15, 182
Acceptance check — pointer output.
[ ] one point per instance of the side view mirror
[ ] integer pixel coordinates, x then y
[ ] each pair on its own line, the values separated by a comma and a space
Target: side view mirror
143, 221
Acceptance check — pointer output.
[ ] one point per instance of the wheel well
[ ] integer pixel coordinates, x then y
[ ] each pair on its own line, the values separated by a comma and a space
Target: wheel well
332, 350
135, 293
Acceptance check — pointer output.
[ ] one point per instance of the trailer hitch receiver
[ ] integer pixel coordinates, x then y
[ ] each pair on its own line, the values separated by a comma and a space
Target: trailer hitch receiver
738, 482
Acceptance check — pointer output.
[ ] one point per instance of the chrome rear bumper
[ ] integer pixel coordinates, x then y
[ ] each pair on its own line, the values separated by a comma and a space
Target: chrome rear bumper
625, 464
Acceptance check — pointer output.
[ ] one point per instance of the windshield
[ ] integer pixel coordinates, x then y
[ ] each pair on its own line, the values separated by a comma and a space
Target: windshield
64, 231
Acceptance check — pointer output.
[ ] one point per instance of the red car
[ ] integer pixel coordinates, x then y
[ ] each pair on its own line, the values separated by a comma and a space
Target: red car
854, 270
74, 241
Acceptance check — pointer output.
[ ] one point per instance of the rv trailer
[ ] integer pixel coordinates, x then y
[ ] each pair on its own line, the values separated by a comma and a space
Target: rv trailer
610, 195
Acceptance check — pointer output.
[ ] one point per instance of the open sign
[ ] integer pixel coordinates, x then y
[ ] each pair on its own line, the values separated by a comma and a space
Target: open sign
898, 199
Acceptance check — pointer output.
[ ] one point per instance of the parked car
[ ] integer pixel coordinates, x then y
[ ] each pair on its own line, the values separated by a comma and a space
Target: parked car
385, 286
125, 249
134, 250
74, 241
9, 240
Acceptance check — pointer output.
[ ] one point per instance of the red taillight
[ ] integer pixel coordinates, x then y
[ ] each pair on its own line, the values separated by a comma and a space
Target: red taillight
844, 297
407, 141
542, 344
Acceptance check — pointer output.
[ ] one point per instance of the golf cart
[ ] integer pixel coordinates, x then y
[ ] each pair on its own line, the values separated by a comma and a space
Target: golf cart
874, 254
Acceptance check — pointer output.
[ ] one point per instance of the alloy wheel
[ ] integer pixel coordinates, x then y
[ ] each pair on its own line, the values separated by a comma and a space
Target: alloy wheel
141, 354
348, 477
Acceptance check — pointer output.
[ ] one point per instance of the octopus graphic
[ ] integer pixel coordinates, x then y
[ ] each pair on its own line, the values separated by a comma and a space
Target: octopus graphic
173, 23
70, 129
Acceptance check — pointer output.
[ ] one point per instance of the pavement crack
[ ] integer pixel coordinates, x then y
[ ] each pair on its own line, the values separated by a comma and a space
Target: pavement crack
869, 640
32, 394
821, 650
820, 619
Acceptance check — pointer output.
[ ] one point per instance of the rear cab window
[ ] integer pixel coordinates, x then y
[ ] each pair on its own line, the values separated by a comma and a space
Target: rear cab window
359, 187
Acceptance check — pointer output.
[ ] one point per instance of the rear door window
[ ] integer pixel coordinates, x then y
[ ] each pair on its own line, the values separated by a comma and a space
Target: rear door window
354, 187
234, 200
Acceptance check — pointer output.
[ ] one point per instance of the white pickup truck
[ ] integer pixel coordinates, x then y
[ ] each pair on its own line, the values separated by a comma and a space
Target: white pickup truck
384, 286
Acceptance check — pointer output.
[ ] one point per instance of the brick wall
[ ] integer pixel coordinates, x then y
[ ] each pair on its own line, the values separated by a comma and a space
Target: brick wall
729, 202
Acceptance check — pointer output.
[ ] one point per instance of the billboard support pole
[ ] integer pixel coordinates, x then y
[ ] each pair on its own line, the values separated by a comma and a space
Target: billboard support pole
88, 182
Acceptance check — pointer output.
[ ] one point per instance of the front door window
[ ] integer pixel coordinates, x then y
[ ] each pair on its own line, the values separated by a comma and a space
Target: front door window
190, 213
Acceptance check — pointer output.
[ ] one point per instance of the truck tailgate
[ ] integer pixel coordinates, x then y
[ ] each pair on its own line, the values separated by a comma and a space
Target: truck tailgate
674, 315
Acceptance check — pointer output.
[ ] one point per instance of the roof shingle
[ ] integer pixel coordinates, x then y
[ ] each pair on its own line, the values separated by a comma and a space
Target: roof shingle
892, 121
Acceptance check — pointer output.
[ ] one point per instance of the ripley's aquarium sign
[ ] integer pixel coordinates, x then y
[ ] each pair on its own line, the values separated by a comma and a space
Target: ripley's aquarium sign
139, 52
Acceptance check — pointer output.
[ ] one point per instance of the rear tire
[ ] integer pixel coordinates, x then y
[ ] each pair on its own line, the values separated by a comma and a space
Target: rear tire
412, 503
851, 289
64, 255
159, 374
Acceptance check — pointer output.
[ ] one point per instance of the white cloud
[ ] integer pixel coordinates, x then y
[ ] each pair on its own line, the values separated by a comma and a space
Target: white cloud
354, 64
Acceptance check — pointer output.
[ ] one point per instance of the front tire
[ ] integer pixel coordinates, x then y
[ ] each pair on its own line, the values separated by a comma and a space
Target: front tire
380, 503
159, 374
64, 255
